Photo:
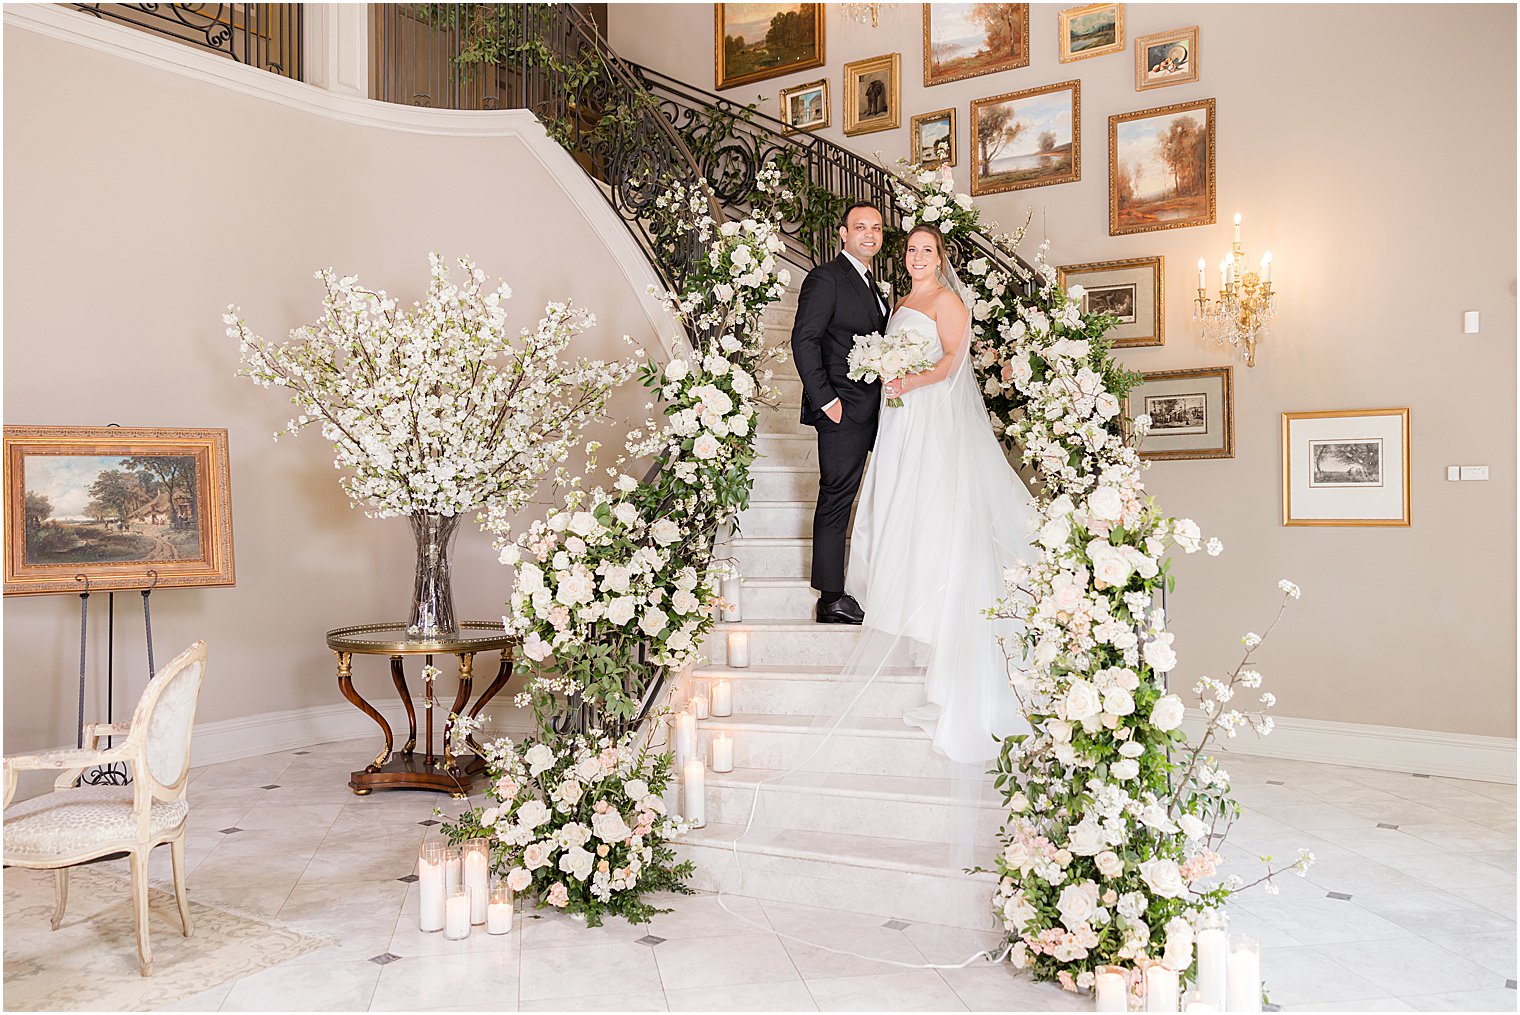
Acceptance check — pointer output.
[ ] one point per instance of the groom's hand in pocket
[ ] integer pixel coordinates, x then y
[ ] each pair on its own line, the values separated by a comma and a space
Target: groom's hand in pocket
834, 410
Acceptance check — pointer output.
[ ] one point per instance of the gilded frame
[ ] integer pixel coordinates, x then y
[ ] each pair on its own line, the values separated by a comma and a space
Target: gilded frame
785, 111
1209, 218
1064, 23
1225, 375
991, 186
721, 78
915, 143
1013, 63
1288, 418
891, 63
1157, 288
1188, 35
212, 499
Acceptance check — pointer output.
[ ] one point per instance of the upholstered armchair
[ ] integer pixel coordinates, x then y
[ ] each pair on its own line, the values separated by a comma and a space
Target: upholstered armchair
75, 824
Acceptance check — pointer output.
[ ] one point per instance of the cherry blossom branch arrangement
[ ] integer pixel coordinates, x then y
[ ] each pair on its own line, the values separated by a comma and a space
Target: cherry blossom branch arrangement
1116, 820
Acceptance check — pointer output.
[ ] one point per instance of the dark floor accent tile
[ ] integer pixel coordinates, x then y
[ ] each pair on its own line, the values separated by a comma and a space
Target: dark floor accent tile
1338, 895
1388, 824
429, 821
1420, 775
897, 925
649, 939
229, 831
299, 753
384, 959
1275, 782
1510, 984
410, 879
273, 785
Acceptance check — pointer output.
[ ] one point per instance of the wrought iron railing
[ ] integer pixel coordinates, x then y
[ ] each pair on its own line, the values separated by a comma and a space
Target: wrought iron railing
266, 36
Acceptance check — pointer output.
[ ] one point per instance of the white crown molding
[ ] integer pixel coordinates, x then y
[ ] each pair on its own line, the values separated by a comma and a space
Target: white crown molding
1389, 748
99, 34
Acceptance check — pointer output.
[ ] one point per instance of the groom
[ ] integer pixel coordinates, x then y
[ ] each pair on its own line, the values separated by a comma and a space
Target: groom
839, 300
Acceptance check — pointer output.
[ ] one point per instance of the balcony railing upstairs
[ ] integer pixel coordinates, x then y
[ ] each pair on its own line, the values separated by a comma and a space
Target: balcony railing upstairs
266, 36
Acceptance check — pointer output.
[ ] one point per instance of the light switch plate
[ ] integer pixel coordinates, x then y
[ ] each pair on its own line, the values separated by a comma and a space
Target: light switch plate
1453, 473
1470, 322
1474, 472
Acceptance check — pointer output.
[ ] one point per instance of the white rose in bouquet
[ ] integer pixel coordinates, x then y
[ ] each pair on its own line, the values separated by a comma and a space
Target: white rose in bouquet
1085, 837
1105, 503
627, 514
1118, 701
1159, 654
620, 610
584, 523
1109, 864
705, 447
588, 768
575, 834
569, 792
676, 370
519, 879
637, 789
536, 855
1082, 701
1163, 878
1191, 827
1124, 769
1017, 912
610, 827
577, 862
665, 532
1178, 954
653, 621
1077, 904
540, 758
535, 648
683, 602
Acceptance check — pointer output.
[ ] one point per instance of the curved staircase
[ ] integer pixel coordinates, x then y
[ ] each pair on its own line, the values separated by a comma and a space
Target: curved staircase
819, 845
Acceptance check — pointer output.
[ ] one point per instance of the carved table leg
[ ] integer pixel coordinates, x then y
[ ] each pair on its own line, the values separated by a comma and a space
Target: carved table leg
346, 685
466, 678
503, 674
398, 677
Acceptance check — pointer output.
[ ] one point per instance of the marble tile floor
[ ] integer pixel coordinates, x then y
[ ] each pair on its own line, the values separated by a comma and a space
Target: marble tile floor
1411, 907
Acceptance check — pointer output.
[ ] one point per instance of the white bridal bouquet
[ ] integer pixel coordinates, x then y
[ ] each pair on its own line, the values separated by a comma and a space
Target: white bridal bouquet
895, 354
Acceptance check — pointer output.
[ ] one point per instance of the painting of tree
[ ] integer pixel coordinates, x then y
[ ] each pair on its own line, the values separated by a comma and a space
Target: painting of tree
1029, 138
758, 41
965, 40
1161, 168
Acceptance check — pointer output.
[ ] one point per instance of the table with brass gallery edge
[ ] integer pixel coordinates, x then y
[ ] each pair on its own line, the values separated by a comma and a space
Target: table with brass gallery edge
408, 770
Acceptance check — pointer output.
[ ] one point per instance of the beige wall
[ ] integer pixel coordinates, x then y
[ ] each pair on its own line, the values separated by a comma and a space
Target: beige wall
1372, 149
138, 204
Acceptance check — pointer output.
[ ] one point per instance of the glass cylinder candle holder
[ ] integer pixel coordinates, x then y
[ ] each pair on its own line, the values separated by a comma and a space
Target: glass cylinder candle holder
1160, 988
431, 889
499, 911
694, 792
1243, 976
1111, 988
685, 737
738, 649
732, 608
697, 704
722, 703
453, 868
1213, 958
457, 914
1195, 1001
723, 753
477, 877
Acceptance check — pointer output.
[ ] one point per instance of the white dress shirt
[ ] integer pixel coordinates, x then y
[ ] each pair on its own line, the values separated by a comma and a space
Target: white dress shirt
858, 266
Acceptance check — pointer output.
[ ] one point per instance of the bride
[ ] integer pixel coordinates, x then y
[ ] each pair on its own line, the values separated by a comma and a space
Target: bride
941, 515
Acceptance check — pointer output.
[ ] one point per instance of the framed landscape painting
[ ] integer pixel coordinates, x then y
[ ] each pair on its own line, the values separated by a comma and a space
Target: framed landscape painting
1192, 413
873, 94
1161, 168
805, 107
120, 508
934, 139
1130, 290
1029, 138
1346, 467
964, 40
1093, 30
1166, 58
758, 41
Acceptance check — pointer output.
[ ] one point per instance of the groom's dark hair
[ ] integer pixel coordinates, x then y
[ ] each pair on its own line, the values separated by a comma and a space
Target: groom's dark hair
844, 218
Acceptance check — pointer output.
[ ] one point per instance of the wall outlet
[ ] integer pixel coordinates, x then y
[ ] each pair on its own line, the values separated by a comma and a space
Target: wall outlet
1470, 322
1474, 472
1453, 473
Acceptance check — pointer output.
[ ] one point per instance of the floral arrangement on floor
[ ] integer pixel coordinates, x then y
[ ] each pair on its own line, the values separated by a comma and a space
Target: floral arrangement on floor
579, 823
1116, 820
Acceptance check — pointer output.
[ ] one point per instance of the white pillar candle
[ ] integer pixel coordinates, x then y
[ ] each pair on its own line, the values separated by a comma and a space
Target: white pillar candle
722, 753
453, 869
477, 877
733, 610
499, 911
738, 649
1192, 1002
457, 916
1160, 988
686, 737
1110, 989
698, 705
722, 699
1266, 267
1203, 282
1243, 978
694, 792
430, 885
1213, 952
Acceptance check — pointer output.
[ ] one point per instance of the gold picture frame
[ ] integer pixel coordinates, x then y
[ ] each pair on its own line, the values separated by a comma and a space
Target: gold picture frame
733, 66
1192, 413
788, 110
1103, 22
1060, 163
1129, 212
1136, 284
938, 71
919, 145
1338, 468
882, 91
113, 508
1158, 63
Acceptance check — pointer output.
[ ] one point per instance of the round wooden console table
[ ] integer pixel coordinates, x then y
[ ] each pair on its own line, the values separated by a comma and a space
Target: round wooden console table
409, 770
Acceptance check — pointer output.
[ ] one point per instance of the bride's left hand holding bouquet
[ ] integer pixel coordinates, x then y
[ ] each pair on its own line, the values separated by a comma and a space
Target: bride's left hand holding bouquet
891, 357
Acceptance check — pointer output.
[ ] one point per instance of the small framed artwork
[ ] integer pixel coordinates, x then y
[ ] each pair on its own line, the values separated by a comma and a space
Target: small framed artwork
934, 139
1166, 58
1192, 413
1093, 30
805, 107
873, 94
1161, 168
1129, 290
753, 42
1346, 467
966, 40
1029, 138
121, 508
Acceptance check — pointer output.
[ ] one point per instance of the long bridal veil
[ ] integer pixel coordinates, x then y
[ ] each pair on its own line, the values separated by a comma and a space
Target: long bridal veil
909, 811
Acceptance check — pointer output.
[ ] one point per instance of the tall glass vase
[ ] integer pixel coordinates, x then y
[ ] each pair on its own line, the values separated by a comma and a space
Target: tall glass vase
433, 598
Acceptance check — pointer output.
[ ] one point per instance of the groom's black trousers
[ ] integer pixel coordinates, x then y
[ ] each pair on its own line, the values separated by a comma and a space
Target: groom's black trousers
842, 451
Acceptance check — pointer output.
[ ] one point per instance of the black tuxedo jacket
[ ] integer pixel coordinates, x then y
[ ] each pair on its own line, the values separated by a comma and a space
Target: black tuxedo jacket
834, 306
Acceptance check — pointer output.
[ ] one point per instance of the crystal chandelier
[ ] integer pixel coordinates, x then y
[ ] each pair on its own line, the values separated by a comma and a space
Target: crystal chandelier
866, 14
1246, 303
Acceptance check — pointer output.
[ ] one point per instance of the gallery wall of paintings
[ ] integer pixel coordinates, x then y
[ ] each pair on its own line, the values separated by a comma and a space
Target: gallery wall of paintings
1131, 135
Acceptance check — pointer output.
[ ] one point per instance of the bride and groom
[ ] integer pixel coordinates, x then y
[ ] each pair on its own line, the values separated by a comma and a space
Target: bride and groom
941, 512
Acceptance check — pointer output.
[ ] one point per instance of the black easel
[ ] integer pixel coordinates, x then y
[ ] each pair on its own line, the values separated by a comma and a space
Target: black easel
115, 774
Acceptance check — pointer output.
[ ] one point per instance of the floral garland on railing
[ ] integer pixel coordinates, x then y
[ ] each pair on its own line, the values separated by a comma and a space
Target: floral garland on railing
1112, 841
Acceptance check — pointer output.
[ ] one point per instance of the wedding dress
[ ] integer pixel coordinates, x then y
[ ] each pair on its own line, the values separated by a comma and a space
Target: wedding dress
941, 514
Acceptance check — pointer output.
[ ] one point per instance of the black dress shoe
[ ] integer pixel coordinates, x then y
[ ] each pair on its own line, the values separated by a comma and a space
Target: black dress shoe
844, 610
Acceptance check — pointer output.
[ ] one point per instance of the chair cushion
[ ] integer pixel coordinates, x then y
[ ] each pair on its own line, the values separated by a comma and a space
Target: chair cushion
71, 821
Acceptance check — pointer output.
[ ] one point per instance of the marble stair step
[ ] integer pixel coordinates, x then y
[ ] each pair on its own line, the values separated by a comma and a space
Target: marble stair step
899, 878
778, 598
793, 643
785, 419
859, 745
787, 449
789, 519
817, 690
770, 556
787, 384
783, 482
921, 810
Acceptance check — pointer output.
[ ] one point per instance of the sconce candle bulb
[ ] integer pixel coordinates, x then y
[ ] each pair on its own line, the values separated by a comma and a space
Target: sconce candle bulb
1246, 303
